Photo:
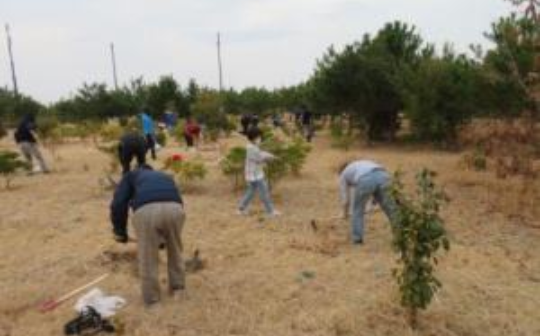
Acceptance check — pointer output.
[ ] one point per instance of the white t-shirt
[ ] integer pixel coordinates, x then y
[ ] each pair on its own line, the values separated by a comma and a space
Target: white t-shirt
255, 160
352, 174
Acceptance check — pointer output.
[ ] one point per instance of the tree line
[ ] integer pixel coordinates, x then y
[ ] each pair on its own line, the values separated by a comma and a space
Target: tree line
375, 84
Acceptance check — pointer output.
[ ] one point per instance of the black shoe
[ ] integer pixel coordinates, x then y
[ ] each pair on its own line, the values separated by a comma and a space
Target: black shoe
358, 241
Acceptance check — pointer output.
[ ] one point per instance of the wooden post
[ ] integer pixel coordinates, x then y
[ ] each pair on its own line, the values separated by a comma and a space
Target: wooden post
219, 62
113, 59
12, 62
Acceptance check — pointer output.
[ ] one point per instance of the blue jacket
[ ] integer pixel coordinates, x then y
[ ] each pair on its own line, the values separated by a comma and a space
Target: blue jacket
147, 124
137, 188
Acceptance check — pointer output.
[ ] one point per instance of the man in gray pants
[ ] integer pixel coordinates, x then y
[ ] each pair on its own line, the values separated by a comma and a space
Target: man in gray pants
158, 217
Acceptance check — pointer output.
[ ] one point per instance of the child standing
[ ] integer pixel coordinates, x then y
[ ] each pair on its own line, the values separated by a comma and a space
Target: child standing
254, 173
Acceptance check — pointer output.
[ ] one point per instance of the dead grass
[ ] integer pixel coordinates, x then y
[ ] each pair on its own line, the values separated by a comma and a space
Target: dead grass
271, 277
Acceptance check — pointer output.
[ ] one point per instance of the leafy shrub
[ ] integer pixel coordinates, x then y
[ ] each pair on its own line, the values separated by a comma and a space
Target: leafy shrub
161, 138
419, 233
178, 131
187, 172
475, 160
340, 138
111, 151
111, 132
207, 110
290, 158
47, 126
277, 169
3, 131
9, 164
233, 166
510, 144
48, 129
296, 154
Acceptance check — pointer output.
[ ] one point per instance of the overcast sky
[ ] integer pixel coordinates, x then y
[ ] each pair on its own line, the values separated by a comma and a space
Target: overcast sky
59, 44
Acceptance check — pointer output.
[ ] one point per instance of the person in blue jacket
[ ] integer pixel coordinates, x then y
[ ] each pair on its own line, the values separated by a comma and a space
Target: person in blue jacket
158, 216
149, 133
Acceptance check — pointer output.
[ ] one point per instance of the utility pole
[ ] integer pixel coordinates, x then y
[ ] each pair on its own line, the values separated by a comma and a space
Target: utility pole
12, 62
219, 62
113, 59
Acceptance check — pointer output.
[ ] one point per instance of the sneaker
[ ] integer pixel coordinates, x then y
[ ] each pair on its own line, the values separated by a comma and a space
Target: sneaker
242, 212
179, 295
275, 213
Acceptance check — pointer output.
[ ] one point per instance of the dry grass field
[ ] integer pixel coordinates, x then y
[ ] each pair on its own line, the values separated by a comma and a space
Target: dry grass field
272, 277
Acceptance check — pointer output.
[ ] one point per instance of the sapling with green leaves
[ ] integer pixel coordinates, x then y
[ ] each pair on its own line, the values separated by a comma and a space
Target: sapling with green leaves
10, 163
187, 172
233, 166
419, 234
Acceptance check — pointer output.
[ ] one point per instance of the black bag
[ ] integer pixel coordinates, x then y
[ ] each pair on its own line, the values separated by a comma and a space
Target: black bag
89, 322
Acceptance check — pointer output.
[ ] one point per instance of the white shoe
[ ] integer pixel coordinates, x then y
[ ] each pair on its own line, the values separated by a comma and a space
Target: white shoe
242, 212
275, 213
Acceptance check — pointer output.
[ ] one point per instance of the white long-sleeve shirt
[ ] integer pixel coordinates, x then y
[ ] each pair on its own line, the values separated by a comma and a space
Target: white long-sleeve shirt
352, 174
255, 160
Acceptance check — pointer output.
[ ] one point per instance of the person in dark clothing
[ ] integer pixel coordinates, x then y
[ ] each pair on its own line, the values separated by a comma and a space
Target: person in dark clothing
276, 120
158, 215
245, 121
306, 120
131, 145
25, 138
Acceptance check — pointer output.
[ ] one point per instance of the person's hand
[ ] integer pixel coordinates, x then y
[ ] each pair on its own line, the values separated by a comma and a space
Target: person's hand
121, 238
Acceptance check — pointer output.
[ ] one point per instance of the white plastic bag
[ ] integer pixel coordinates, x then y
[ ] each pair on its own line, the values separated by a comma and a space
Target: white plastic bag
106, 306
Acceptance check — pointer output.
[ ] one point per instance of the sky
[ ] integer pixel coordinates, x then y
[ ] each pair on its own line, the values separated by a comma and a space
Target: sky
60, 44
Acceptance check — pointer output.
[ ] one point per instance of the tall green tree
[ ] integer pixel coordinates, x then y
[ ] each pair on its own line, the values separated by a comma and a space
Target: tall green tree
364, 80
443, 94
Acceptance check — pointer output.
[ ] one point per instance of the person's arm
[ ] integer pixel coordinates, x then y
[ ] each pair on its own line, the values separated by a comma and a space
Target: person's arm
258, 156
344, 195
120, 208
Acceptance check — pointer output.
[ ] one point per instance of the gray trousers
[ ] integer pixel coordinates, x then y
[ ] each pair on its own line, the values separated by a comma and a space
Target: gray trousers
156, 223
30, 151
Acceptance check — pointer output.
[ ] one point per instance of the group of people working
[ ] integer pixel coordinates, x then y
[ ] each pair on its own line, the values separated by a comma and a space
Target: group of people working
158, 207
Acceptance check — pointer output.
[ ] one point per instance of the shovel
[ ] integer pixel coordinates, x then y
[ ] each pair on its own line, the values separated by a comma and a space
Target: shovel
53, 303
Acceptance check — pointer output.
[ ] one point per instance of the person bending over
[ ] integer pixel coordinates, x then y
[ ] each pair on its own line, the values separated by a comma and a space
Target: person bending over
158, 216
367, 179
132, 145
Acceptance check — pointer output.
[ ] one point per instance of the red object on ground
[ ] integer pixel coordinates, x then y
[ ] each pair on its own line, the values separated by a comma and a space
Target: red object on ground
177, 157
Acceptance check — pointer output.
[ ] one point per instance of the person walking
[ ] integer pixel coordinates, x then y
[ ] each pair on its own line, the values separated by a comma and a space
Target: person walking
306, 120
368, 180
149, 133
27, 141
158, 216
254, 174
192, 132
132, 145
